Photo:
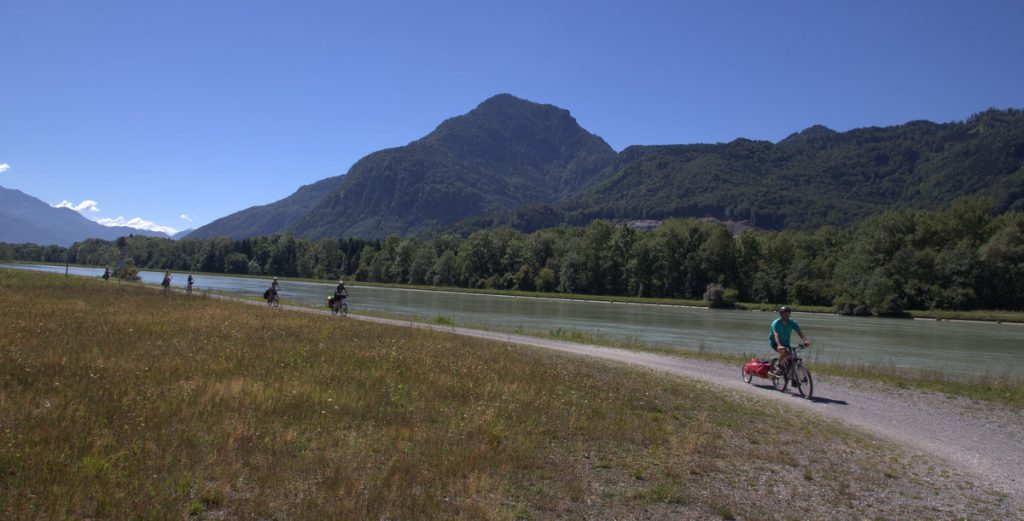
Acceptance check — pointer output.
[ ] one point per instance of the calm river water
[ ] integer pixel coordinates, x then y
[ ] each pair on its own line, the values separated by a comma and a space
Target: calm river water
955, 347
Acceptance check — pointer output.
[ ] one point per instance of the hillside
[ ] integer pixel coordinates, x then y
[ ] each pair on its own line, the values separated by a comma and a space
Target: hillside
511, 162
505, 153
817, 176
270, 218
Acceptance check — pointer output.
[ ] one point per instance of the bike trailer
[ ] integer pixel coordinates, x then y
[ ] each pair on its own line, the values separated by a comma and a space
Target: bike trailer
758, 367
330, 301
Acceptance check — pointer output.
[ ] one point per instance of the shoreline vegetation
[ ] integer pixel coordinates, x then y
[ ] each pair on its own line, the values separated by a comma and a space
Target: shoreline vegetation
997, 316
117, 399
963, 260
996, 388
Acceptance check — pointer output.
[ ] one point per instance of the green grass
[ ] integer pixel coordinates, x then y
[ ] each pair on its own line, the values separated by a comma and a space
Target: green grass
118, 401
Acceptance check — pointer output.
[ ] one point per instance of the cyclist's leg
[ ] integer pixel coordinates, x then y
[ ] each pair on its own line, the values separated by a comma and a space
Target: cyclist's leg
783, 360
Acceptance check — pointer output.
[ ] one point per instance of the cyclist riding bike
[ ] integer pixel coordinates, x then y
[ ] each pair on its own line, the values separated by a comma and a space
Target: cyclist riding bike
340, 292
781, 331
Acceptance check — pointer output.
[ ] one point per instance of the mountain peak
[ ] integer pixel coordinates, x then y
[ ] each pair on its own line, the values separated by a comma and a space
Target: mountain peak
812, 134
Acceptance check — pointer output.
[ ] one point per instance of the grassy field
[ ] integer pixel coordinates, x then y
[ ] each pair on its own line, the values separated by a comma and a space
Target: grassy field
118, 401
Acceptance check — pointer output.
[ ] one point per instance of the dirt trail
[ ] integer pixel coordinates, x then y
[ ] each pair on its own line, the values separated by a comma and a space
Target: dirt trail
982, 439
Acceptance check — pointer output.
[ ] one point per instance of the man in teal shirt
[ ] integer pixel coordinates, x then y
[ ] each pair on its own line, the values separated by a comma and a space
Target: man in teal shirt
782, 328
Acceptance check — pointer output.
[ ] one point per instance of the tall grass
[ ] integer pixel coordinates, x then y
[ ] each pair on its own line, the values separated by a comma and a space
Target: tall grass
122, 402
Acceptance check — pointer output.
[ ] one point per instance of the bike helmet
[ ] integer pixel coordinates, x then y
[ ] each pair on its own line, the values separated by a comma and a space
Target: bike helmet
784, 309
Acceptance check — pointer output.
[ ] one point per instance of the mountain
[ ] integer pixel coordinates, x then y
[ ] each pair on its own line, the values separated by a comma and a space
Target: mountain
270, 218
512, 162
505, 153
817, 176
24, 218
182, 234
811, 178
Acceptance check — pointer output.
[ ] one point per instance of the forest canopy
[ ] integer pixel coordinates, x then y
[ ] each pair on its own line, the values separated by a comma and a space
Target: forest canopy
959, 258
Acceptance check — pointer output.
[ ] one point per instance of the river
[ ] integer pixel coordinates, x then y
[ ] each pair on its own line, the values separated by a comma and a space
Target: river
949, 347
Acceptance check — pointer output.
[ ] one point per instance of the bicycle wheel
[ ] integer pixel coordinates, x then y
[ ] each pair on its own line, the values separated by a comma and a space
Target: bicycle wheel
780, 383
805, 384
746, 376
344, 309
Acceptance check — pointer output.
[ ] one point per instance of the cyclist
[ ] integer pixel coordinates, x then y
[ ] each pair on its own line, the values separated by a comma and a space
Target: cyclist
191, 281
340, 292
106, 273
167, 280
782, 327
273, 289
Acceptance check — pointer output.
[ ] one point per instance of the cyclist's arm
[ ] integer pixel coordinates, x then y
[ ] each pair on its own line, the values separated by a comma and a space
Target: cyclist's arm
778, 339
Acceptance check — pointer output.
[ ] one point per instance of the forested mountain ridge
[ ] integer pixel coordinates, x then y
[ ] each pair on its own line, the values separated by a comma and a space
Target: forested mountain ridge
511, 162
505, 153
815, 177
268, 219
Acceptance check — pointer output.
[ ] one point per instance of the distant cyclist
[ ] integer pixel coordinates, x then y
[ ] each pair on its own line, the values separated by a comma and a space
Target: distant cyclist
191, 281
106, 273
782, 328
340, 292
167, 280
271, 292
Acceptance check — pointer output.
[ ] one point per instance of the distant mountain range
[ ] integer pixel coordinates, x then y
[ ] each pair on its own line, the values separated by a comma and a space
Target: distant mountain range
24, 218
512, 162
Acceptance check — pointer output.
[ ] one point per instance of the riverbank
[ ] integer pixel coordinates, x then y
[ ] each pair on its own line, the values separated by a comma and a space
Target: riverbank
997, 316
963, 358
119, 399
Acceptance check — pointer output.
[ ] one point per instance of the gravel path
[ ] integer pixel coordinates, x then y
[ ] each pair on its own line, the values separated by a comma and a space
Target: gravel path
982, 439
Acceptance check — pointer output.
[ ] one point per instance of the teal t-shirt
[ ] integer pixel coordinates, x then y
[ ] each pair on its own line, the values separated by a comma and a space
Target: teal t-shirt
783, 329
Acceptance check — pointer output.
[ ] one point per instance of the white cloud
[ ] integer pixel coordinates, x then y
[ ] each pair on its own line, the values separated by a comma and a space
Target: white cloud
138, 223
87, 204
4, 167
185, 217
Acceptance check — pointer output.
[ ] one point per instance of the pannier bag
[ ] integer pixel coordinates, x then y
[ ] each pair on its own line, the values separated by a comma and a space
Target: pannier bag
266, 294
757, 367
330, 301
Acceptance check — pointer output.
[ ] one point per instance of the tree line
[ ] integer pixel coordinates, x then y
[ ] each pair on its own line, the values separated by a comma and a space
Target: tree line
962, 257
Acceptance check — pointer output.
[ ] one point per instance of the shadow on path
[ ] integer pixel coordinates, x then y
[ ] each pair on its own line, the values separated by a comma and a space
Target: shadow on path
818, 399
814, 399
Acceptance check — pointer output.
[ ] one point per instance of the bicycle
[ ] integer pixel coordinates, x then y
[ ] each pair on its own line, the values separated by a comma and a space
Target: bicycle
273, 299
795, 373
339, 307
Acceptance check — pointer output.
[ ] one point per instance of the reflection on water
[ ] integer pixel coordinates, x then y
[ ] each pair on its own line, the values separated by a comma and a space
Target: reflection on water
947, 346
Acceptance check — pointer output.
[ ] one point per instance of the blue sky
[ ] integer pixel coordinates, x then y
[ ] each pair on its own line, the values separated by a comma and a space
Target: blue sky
176, 113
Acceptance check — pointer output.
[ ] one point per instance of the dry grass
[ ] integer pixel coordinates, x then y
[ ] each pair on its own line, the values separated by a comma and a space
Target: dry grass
117, 401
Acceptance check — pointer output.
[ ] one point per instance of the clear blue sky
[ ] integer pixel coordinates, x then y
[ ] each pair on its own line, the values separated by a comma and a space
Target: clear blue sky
155, 110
